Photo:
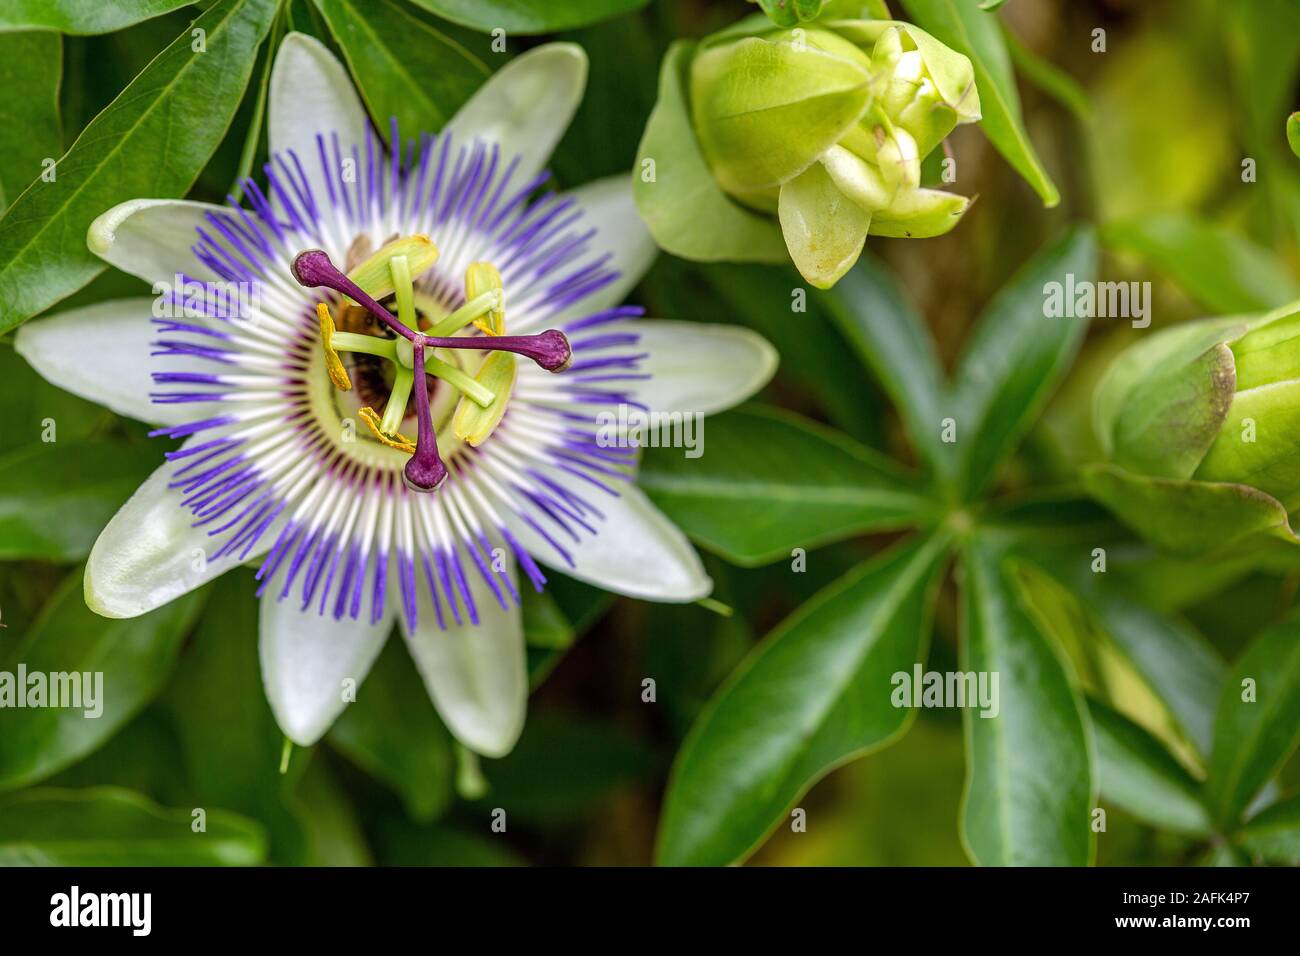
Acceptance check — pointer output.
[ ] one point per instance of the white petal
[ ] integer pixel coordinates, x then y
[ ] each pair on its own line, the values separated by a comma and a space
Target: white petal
116, 373
311, 93
637, 551
477, 675
608, 206
306, 660
526, 105
700, 368
151, 238
150, 554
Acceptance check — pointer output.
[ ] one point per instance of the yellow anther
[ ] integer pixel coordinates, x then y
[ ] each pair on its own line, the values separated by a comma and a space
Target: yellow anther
376, 278
338, 374
483, 277
473, 423
395, 440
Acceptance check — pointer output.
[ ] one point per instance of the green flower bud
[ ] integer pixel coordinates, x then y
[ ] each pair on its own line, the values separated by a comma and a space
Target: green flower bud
1207, 411
828, 126
1259, 443
789, 13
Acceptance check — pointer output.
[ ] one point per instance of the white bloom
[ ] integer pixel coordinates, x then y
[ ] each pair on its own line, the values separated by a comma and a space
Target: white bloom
278, 466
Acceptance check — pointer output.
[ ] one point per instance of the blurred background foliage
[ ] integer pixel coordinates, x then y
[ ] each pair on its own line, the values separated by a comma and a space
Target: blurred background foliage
1146, 140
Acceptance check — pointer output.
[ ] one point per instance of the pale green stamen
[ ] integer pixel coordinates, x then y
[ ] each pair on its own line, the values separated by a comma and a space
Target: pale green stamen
478, 394
369, 344
404, 289
395, 410
475, 308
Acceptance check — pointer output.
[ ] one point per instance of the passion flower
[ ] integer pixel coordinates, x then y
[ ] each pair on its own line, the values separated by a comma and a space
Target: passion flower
398, 422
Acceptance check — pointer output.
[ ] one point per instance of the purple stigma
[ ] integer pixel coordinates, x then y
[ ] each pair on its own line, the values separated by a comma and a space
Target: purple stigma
314, 269
549, 349
425, 470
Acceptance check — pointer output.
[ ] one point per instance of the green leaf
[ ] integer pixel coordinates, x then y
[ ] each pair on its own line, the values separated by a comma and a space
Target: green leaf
333, 830
1293, 132
131, 658
1139, 775
1048, 77
545, 625
403, 66
564, 768
1015, 357
30, 403
815, 357
82, 16
256, 124
30, 69
1029, 778
1174, 661
404, 844
152, 140
231, 742
770, 481
815, 693
1274, 832
962, 25
1222, 270
1189, 517
56, 497
528, 17
682, 204
108, 826
871, 309
554, 618
393, 733
1255, 736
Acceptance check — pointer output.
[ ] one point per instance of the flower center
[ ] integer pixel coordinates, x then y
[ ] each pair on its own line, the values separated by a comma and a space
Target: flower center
392, 271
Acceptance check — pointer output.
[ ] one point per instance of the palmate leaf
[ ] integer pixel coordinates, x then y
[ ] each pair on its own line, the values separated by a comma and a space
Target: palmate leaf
1029, 785
770, 481
1015, 357
816, 692
151, 141
109, 826
403, 66
1006, 373
1253, 737
133, 655
962, 25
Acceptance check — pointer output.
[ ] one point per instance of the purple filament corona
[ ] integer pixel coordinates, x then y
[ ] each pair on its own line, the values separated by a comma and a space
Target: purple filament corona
262, 474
